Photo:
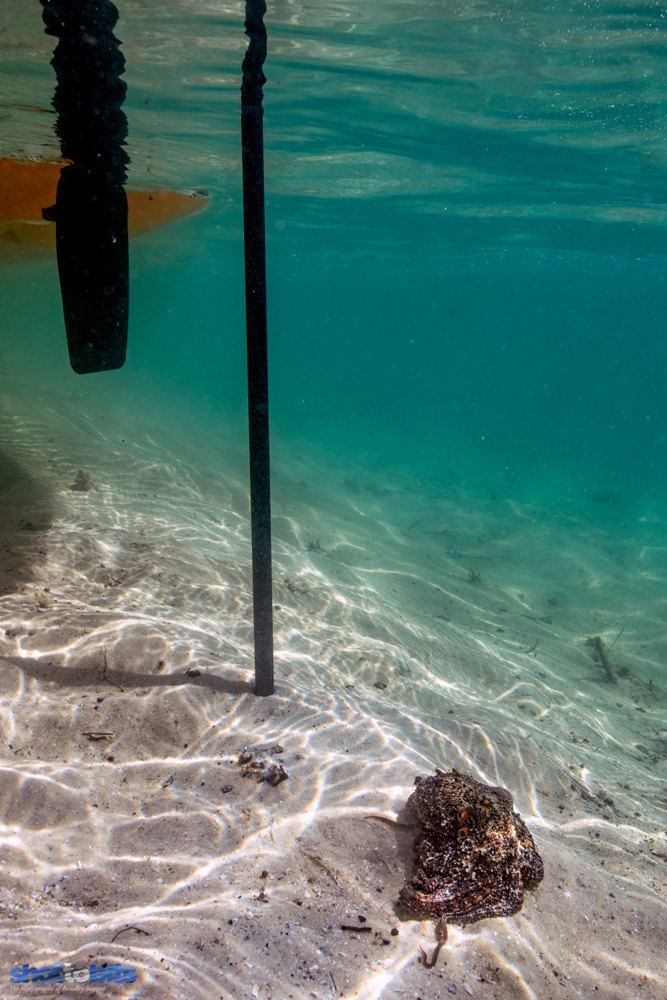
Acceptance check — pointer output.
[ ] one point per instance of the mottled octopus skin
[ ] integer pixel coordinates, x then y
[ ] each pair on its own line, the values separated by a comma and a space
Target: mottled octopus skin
473, 855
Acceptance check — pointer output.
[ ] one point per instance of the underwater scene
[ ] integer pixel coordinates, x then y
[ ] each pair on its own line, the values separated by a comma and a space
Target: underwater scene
466, 239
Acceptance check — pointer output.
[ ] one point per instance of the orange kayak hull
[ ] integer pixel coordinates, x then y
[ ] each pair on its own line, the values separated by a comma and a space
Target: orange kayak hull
28, 187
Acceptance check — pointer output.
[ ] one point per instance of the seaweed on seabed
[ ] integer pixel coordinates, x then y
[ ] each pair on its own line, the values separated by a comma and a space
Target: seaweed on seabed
82, 483
475, 576
599, 654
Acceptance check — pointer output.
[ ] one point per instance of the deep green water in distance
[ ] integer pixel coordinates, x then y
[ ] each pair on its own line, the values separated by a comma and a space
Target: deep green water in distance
465, 217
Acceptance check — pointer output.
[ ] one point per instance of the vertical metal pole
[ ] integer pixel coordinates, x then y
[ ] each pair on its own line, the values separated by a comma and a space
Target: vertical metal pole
252, 138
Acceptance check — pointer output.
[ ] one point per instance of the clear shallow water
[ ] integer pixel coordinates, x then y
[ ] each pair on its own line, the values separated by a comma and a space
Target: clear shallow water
465, 218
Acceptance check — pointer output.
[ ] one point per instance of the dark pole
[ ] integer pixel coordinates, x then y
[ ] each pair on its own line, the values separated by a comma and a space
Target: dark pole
90, 212
252, 140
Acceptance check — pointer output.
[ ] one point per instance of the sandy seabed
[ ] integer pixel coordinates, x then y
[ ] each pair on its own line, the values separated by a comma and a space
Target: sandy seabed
417, 625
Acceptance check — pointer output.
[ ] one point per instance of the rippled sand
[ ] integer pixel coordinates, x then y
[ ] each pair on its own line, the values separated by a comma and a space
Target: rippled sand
125, 611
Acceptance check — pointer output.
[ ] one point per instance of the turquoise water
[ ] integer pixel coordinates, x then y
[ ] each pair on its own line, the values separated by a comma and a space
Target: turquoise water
465, 218
466, 212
